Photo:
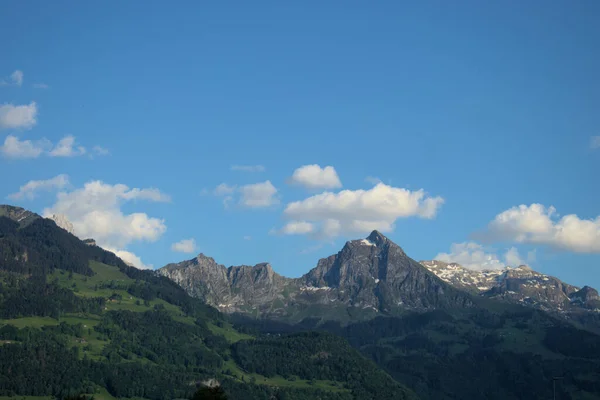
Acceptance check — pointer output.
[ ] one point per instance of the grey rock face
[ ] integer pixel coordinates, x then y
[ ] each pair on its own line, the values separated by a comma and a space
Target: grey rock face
366, 277
63, 222
518, 285
586, 297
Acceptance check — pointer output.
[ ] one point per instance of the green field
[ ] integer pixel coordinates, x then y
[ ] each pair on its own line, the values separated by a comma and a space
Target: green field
279, 381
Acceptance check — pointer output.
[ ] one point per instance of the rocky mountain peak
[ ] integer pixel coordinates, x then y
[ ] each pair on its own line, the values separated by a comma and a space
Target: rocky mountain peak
377, 238
22, 216
587, 297
203, 259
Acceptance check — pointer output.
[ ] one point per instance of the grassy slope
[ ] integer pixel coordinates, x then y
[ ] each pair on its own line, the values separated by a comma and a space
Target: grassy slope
85, 286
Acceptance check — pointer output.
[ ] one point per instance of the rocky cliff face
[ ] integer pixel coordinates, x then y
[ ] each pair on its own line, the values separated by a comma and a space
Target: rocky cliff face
367, 277
63, 222
518, 285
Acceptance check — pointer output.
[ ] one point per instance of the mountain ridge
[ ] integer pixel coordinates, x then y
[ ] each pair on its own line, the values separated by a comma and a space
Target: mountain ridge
519, 284
367, 276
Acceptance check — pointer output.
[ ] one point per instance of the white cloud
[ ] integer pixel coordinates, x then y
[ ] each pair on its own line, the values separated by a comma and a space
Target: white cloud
297, 228
247, 237
513, 258
474, 256
255, 195
15, 148
95, 212
30, 189
258, 195
248, 168
130, 258
361, 211
224, 189
315, 177
595, 142
40, 86
184, 246
100, 151
13, 117
16, 78
537, 224
66, 148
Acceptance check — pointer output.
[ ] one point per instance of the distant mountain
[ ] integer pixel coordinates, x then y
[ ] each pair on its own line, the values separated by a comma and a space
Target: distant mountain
519, 285
367, 277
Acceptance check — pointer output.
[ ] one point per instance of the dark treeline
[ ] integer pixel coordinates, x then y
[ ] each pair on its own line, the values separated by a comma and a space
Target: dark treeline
317, 356
511, 353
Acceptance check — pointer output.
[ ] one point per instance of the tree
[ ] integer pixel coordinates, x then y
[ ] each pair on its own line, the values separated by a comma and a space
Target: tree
210, 393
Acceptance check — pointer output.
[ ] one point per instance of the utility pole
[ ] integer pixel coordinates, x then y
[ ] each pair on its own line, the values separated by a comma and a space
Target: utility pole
554, 379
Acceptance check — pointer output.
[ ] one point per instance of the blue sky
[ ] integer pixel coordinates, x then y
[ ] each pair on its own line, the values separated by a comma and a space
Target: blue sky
485, 107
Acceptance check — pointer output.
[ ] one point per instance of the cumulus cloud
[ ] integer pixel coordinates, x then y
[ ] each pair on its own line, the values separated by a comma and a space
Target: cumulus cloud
16, 79
361, 211
258, 195
66, 148
248, 168
595, 142
315, 177
537, 224
474, 256
184, 246
31, 188
13, 117
130, 258
95, 212
15, 148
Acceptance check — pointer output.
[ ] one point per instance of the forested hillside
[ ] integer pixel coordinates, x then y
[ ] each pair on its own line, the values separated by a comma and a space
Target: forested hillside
76, 319
506, 352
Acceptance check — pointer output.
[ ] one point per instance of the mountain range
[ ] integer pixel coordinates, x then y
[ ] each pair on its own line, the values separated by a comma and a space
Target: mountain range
370, 277
366, 323
76, 320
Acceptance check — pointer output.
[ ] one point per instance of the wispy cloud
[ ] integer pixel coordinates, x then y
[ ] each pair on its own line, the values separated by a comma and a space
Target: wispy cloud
100, 151
15, 148
595, 142
40, 86
30, 189
184, 246
248, 168
14, 79
66, 148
